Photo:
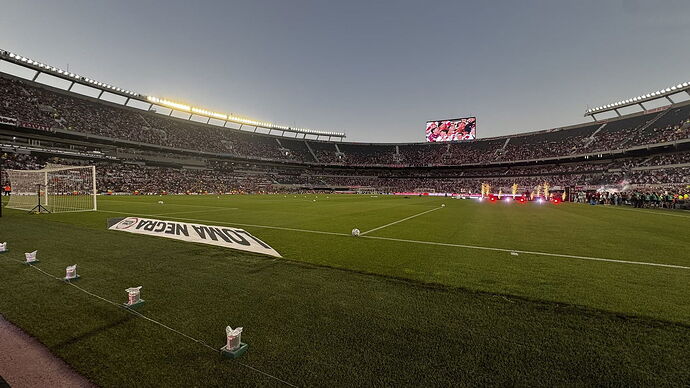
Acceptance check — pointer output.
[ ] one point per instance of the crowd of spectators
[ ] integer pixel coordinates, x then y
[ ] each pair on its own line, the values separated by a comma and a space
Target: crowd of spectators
222, 176
26, 102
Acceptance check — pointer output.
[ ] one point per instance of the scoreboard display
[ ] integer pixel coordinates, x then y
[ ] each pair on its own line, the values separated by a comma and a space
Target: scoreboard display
451, 130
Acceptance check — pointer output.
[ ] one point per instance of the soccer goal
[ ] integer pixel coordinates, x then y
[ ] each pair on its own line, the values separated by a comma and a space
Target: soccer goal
56, 189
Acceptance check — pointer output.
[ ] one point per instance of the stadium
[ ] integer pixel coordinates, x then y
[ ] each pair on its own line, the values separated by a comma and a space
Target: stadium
545, 257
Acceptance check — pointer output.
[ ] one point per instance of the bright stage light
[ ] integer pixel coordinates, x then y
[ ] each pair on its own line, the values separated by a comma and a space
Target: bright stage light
240, 120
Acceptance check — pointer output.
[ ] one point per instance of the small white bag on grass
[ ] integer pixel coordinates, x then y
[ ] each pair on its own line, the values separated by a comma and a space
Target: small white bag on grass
3, 247
234, 336
30, 256
71, 272
134, 295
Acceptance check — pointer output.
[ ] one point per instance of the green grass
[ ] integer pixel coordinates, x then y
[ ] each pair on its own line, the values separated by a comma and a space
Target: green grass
340, 310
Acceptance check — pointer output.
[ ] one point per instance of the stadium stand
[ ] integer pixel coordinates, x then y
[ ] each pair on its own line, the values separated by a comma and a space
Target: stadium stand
139, 151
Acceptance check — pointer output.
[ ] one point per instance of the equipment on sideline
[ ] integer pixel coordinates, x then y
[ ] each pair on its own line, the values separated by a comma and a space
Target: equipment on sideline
71, 273
234, 347
134, 297
31, 257
39, 208
55, 189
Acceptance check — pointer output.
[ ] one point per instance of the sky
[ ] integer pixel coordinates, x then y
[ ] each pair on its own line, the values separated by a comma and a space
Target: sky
377, 70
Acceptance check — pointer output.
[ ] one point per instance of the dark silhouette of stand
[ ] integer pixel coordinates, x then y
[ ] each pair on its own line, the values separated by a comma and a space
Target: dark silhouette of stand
39, 208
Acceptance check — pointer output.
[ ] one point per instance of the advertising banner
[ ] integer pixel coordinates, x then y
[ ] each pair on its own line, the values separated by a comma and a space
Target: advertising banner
222, 236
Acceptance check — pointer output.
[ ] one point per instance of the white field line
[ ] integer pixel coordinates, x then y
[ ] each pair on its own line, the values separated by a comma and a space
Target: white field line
427, 242
399, 221
528, 252
648, 212
228, 223
198, 211
105, 202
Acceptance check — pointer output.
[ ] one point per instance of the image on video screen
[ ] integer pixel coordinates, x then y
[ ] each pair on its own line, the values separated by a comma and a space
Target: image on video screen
451, 130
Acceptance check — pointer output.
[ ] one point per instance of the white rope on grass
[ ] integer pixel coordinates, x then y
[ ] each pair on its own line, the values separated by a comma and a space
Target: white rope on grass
138, 314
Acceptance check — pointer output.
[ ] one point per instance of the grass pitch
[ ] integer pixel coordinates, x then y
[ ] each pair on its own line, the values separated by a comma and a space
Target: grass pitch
433, 295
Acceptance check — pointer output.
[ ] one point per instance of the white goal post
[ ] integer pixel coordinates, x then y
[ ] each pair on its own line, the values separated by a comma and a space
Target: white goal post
60, 188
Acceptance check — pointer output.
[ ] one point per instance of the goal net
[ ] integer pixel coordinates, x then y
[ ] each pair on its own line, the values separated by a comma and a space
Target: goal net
59, 188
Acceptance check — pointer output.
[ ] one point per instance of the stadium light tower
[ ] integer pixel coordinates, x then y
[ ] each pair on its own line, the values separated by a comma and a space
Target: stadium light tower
639, 100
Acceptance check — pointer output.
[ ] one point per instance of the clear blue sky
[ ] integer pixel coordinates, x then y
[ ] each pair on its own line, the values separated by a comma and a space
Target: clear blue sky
375, 69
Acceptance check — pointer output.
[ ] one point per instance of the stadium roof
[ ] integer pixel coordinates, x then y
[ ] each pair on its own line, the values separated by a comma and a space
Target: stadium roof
75, 78
662, 93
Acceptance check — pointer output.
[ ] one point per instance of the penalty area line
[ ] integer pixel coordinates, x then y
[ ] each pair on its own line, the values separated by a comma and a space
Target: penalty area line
399, 221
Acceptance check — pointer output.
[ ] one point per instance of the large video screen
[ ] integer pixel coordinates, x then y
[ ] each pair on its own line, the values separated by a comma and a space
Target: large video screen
451, 130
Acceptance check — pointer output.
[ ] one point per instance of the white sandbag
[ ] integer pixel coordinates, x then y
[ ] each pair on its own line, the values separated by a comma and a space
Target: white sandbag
234, 336
134, 295
71, 272
30, 256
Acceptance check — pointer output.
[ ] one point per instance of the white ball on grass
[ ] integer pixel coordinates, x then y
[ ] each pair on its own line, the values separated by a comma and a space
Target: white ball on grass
443, 205
160, 202
355, 232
